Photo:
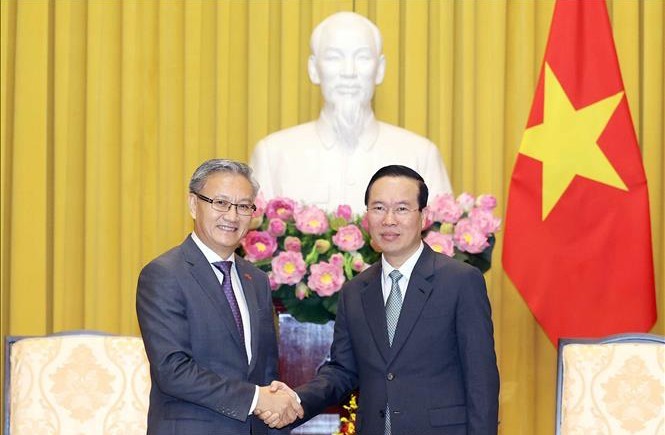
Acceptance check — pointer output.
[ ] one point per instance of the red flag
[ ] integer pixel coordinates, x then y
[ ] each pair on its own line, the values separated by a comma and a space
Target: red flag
577, 241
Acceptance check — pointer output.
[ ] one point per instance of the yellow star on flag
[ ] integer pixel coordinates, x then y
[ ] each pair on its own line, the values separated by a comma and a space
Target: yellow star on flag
566, 142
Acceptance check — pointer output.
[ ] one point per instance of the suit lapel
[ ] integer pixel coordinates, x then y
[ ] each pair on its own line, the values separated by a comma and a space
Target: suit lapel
417, 294
248, 288
375, 311
202, 272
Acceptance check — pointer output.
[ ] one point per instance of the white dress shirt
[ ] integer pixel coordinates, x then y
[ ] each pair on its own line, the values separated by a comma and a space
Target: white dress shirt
405, 269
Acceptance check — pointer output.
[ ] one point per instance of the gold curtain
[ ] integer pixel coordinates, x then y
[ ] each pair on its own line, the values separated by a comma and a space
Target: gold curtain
107, 108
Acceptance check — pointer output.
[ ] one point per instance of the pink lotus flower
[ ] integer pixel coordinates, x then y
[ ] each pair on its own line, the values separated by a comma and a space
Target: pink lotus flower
260, 203
302, 291
344, 211
486, 202
445, 209
292, 244
288, 267
271, 280
259, 245
311, 220
257, 216
281, 208
337, 259
469, 238
348, 238
326, 278
484, 220
466, 201
429, 218
364, 224
442, 243
358, 263
276, 227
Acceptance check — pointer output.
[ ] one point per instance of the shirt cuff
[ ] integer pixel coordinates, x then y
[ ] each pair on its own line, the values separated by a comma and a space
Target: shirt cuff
255, 400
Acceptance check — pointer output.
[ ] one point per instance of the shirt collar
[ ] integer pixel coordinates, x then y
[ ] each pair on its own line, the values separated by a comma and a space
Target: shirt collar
405, 269
209, 254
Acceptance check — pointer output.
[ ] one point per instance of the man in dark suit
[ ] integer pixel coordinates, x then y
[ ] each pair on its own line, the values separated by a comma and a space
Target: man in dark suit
413, 332
207, 321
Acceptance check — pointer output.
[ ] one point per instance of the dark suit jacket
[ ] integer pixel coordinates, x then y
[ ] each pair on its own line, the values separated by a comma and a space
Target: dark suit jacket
201, 381
440, 375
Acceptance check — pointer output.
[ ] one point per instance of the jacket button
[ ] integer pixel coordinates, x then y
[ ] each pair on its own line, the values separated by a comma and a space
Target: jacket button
390, 376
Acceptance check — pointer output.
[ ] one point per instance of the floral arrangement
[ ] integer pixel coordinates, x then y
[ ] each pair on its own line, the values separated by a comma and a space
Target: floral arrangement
309, 254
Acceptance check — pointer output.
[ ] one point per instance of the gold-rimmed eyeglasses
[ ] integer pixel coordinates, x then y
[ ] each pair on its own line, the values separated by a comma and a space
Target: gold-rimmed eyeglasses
224, 205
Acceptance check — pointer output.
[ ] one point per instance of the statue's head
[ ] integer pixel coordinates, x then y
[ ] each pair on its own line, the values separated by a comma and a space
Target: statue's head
347, 59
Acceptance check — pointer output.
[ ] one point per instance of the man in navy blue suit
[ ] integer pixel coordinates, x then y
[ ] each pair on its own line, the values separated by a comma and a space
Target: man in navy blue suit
413, 332
207, 321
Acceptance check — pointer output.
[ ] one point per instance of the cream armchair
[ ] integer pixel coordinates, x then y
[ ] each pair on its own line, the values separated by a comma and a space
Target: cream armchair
614, 385
76, 384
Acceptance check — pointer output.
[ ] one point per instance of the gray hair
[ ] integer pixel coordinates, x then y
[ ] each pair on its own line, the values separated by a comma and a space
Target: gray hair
213, 166
344, 17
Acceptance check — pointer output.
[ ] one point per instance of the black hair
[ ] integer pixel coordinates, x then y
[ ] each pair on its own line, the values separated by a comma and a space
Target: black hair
401, 171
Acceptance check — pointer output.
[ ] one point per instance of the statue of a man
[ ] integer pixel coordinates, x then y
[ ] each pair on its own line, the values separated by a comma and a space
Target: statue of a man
329, 161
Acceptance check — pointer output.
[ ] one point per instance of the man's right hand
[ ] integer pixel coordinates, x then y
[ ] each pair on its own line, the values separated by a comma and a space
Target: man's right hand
278, 405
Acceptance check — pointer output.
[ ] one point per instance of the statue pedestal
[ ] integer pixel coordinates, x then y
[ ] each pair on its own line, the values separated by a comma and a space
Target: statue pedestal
303, 348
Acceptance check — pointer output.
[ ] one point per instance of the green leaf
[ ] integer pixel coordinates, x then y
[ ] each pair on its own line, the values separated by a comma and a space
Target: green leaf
284, 292
483, 260
337, 223
310, 309
330, 303
312, 257
348, 270
265, 262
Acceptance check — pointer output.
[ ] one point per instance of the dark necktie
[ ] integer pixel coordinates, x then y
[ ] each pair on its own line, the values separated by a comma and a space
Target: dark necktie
393, 308
227, 287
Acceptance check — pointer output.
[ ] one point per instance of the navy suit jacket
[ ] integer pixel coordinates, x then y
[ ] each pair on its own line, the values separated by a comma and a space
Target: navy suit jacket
201, 380
440, 375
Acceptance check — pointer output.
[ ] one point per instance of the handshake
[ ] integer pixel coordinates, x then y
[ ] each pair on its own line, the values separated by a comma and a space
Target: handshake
278, 405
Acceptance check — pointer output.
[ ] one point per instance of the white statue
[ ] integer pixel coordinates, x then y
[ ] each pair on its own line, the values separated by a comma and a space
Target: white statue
329, 161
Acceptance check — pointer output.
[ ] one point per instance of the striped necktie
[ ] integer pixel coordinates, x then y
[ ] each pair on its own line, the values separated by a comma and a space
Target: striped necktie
393, 308
393, 304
